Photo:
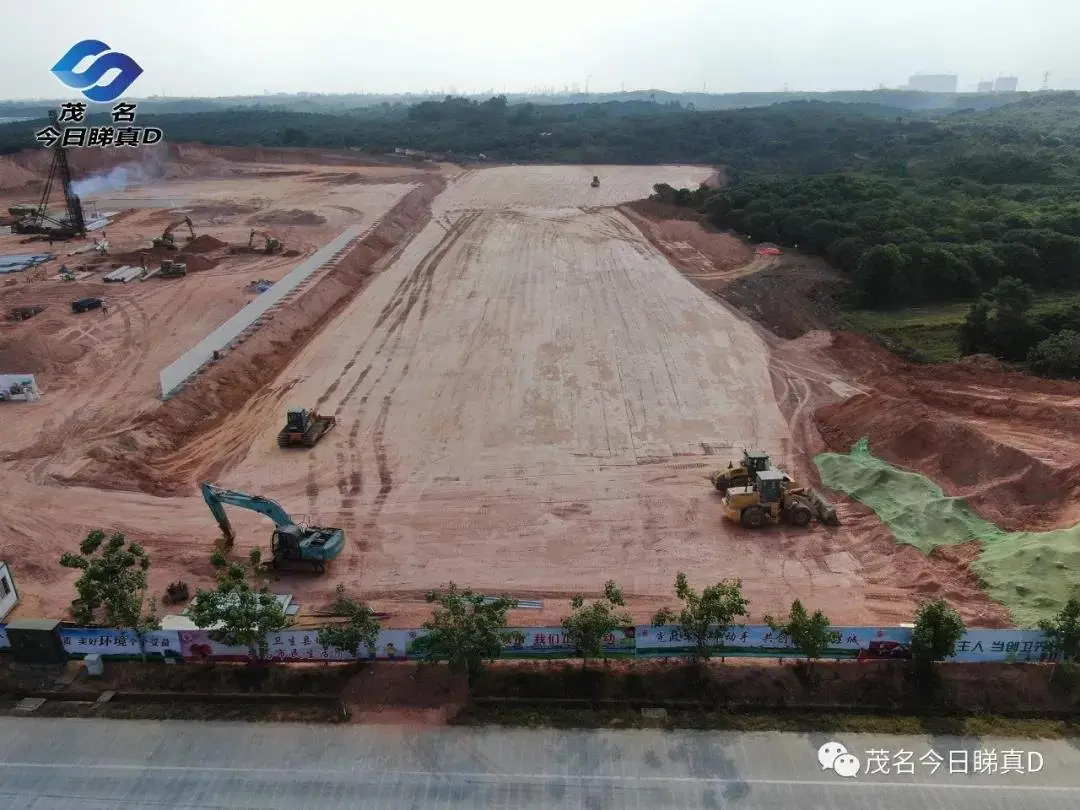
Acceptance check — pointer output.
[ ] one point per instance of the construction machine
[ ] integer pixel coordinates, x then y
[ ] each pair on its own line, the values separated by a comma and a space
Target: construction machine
167, 240
595, 182
753, 462
291, 541
773, 497
271, 243
304, 428
169, 269
38, 219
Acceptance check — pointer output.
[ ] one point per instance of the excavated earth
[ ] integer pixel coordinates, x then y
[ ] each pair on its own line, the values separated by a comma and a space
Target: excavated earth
529, 395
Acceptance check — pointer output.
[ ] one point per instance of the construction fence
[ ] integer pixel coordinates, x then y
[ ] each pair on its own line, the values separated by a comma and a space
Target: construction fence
642, 641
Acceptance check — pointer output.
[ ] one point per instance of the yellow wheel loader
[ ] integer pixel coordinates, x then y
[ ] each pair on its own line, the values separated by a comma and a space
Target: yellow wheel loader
753, 462
773, 498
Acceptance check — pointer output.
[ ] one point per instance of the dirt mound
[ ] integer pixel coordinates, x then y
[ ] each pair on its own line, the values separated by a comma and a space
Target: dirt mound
982, 362
795, 296
196, 263
178, 442
294, 216
1005, 484
34, 353
204, 244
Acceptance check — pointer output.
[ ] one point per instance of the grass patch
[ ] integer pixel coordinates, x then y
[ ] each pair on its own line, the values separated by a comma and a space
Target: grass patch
976, 725
934, 332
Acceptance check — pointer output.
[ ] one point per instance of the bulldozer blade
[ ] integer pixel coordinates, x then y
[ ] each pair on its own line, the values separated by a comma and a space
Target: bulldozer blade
823, 509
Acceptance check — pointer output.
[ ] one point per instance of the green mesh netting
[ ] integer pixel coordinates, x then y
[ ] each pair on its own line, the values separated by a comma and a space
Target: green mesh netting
1031, 573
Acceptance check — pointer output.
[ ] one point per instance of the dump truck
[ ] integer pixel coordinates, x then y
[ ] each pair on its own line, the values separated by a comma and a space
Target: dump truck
772, 497
753, 462
304, 428
291, 541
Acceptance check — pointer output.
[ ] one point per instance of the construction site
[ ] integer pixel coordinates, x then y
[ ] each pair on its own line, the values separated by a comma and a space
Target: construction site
516, 378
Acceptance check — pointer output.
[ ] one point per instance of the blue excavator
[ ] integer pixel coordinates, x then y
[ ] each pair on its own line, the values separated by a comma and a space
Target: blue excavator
291, 542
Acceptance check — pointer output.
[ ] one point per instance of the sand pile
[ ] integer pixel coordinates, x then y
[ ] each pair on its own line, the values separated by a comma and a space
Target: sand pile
293, 216
14, 176
34, 353
1031, 573
204, 244
196, 263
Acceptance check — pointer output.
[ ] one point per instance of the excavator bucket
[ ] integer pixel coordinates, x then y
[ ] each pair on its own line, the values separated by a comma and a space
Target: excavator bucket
824, 510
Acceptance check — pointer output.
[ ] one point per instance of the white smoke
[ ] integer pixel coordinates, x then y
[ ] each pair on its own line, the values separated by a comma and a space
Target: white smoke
116, 179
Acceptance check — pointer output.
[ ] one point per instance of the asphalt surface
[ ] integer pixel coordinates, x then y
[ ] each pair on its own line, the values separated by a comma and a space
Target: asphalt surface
91, 764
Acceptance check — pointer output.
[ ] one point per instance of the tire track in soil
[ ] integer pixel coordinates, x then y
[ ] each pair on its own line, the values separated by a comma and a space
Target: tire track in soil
415, 288
416, 284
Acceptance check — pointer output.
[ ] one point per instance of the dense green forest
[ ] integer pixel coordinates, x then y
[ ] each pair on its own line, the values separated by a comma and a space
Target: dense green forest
356, 102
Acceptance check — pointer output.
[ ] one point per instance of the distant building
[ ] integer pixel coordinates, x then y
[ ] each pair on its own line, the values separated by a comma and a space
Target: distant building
1006, 84
934, 82
986, 87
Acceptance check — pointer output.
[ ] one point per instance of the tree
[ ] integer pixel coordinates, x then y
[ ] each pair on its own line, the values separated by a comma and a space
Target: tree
881, 277
1063, 632
975, 330
465, 630
241, 611
113, 582
588, 625
704, 617
1057, 355
810, 634
938, 629
362, 626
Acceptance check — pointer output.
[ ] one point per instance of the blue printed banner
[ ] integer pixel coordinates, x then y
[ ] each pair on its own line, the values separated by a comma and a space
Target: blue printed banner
110, 643
759, 641
643, 641
1002, 645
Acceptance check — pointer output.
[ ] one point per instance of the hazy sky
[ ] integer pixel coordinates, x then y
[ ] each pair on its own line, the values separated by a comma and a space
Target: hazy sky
232, 47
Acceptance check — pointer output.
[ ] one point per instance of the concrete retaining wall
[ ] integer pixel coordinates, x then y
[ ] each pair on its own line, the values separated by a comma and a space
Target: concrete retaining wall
181, 370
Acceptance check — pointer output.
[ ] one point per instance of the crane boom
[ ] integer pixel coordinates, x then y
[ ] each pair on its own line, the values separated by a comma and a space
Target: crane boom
217, 497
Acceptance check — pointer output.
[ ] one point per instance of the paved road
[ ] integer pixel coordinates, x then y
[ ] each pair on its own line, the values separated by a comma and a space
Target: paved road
98, 764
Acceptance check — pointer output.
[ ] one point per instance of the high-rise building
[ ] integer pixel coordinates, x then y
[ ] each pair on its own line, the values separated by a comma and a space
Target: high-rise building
933, 82
986, 87
1006, 84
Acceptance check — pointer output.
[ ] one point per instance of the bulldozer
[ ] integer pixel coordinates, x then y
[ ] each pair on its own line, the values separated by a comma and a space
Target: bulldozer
271, 243
772, 497
753, 462
595, 182
304, 428
170, 269
167, 240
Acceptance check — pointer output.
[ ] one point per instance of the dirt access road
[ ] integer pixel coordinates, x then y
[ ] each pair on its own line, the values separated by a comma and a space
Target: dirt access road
529, 398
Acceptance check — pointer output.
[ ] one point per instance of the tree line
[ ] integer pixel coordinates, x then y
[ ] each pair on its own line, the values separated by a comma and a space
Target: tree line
468, 630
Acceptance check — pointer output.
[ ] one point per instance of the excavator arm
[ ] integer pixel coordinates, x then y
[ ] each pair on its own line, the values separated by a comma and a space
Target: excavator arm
172, 226
216, 498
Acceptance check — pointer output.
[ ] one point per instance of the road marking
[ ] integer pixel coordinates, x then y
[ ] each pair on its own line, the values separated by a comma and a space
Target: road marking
478, 775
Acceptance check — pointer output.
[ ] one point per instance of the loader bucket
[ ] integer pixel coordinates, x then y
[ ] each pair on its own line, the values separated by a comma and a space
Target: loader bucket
823, 509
